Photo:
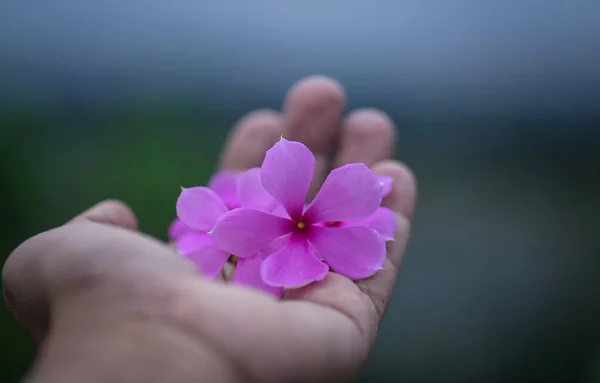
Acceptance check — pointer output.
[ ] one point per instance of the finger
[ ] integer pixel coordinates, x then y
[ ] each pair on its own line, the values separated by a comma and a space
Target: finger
312, 115
228, 271
401, 200
368, 136
110, 212
403, 196
250, 139
253, 135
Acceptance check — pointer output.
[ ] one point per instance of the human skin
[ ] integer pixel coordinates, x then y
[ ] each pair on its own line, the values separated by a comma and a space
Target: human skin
106, 303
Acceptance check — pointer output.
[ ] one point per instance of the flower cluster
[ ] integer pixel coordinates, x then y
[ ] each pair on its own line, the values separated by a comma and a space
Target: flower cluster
261, 217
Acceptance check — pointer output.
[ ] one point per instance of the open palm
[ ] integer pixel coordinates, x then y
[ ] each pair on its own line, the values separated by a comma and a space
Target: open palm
98, 278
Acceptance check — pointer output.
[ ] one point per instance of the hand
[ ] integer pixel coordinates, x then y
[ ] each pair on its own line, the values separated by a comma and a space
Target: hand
107, 303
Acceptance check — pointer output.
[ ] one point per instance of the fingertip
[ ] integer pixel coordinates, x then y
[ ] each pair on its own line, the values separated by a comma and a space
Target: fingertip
370, 121
403, 195
257, 126
368, 136
269, 116
252, 136
313, 111
110, 212
324, 85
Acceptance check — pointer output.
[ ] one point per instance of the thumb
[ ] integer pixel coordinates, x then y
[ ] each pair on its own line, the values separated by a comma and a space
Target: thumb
25, 287
110, 212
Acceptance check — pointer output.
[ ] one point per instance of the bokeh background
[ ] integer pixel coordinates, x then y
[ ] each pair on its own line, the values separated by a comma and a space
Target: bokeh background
497, 105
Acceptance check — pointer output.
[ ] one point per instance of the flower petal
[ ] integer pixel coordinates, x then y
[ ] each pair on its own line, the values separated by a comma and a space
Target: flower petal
276, 245
247, 273
383, 221
353, 251
350, 193
287, 172
202, 251
245, 231
192, 241
280, 212
224, 183
295, 265
177, 229
386, 183
252, 193
199, 208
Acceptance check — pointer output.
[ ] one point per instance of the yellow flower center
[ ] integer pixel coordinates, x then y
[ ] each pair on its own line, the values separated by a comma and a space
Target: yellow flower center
300, 225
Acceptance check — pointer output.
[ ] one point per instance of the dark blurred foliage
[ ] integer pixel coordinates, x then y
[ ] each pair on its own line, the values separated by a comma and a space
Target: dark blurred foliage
52, 167
497, 107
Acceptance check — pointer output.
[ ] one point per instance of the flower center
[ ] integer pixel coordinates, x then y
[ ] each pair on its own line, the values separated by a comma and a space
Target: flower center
300, 225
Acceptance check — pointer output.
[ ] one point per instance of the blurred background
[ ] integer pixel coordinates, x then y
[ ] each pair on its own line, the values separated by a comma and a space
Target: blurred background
498, 110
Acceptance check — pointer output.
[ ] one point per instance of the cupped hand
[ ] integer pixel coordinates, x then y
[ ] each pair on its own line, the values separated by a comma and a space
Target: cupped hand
108, 303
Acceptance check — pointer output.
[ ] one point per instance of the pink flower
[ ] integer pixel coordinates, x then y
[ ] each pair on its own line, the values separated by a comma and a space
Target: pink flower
224, 183
252, 194
198, 210
177, 229
386, 184
247, 273
383, 221
350, 193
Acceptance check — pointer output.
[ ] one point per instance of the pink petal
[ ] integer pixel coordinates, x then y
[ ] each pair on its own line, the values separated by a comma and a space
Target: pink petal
383, 221
202, 251
177, 229
353, 251
247, 273
386, 183
252, 193
199, 208
287, 172
295, 265
276, 245
224, 183
245, 231
280, 212
192, 241
350, 193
